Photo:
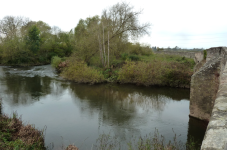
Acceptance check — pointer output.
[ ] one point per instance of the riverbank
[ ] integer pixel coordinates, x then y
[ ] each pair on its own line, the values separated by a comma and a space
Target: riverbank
153, 70
15, 135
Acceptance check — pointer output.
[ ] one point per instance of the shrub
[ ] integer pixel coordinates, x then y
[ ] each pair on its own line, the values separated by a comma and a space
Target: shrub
146, 51
134, 57
15, 135
155, 73
55, 61
204, 54
117, 63
124, 56
78, 71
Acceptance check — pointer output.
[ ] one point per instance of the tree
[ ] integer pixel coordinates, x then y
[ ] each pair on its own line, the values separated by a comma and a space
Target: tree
109, 35
33, 39
85, 36
12, 43
10, 26
121, 23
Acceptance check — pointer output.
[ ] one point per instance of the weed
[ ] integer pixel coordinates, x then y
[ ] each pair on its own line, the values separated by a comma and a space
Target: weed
204, 54
148, 142
14, 135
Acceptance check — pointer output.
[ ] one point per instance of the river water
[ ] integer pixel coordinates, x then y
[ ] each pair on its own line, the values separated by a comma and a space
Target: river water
78, 113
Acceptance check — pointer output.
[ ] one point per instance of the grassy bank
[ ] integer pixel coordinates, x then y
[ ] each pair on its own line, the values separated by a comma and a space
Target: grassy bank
147, 70
15, 135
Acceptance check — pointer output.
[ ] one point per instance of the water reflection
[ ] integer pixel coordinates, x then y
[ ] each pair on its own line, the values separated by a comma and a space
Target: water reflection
196, 128
77, 111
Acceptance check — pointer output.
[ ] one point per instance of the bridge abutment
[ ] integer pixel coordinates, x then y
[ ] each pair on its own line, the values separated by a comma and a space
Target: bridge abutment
208, 98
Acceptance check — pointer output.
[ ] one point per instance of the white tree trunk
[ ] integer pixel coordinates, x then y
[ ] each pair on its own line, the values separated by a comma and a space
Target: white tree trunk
108, 51
104, 47
100, 49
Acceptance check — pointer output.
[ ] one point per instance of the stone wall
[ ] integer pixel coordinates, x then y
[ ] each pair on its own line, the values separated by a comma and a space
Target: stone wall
198, 57
205, 82
204, 87
208, 98
216, 133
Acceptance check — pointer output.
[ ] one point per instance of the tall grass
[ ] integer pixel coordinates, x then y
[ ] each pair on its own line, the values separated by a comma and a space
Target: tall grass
78, 71
148, 142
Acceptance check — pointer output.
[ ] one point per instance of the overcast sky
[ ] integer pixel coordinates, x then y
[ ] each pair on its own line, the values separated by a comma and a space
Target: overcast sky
182, 23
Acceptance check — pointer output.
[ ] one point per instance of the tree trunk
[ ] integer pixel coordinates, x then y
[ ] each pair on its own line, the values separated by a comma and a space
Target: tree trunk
100, 49
108, 51
104, 47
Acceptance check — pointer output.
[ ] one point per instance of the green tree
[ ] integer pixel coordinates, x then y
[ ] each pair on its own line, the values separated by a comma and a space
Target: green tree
33, 39
85, 35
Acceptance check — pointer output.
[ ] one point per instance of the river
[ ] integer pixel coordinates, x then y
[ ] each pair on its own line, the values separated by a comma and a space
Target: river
79, 113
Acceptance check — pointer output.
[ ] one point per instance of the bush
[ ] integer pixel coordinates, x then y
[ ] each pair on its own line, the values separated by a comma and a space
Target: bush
204, 54
124, 56
134, 57
78, 71
138, 49
156, 73
117, 63
15, 135
55, 61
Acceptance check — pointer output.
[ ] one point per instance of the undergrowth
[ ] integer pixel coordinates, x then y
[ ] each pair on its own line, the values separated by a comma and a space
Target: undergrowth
16, 136
155, 69
79, 72
148, 142
155, 73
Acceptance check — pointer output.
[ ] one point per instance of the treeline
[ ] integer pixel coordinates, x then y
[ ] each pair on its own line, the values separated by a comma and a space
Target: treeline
23, 41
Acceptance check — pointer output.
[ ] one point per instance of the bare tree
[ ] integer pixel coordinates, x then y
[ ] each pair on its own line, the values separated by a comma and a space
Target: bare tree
123, 20
10, 26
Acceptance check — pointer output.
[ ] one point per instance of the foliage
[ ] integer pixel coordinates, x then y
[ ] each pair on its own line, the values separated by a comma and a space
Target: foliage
78, 71
155, 73
138, 49
124, 56
134, 57
55, 61
85, 34
33, 39
14, 135
204, 54
24, 42
141, 73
